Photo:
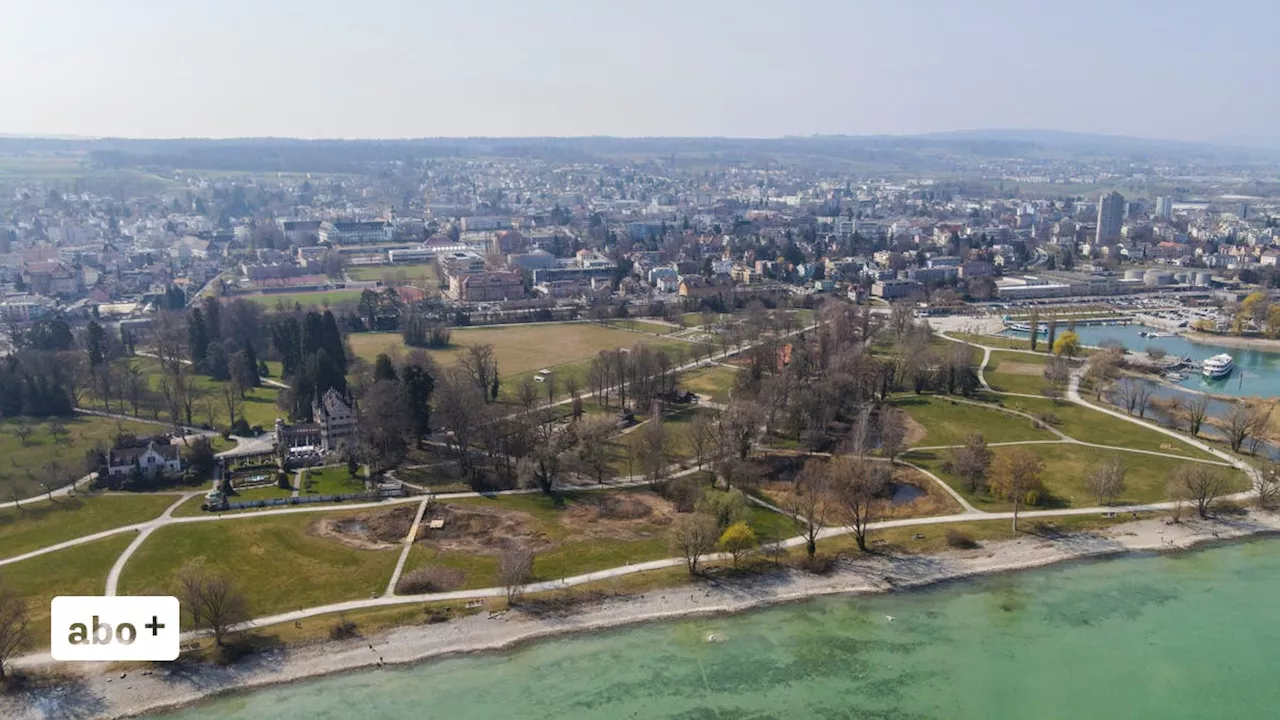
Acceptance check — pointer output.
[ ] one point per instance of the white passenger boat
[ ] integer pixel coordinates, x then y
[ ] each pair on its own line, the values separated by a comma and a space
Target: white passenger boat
1218, 366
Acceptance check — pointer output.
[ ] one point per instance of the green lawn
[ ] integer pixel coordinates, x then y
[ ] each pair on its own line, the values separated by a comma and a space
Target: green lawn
261, 492
421, 275
522, 351
330, 481
441, 478
259, 407
948, 423
309, 299
713, 382
679, 447
643, 326
22, 465
80, 570
1016, 372
41, 524
1092, 426
997, 341
1066, 467
275, 560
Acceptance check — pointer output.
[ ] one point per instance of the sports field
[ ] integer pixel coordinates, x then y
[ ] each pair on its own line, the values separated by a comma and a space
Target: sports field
521, 348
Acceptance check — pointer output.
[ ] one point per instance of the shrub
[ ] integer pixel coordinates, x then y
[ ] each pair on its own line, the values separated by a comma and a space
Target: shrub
960, 540
432, 578
343, 629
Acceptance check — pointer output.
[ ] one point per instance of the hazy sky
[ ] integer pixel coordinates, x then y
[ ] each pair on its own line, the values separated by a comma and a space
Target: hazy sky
417, 68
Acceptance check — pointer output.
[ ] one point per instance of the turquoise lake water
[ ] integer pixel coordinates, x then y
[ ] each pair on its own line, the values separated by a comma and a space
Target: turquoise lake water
1193, 635
1257, 371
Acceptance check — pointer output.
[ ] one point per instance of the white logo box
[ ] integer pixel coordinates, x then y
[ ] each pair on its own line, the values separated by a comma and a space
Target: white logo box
116, 628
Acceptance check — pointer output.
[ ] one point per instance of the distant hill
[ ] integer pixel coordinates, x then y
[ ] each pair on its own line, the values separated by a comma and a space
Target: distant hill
943, 151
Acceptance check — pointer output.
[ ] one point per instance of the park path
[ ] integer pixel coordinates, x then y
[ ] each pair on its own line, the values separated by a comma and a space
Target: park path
409, 539
969, 514
616, 483
113, 577
297, 482
1073, 396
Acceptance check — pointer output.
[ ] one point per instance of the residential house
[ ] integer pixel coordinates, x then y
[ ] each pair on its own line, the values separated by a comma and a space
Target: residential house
153, 460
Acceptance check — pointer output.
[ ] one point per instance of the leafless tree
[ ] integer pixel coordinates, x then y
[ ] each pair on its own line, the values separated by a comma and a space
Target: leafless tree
811, 502
694, 535
1238, 424
1106, 480
1259, 420
1142, 398
972, 462
592, 452
211, 600
14, 619
893, 431
1268, 487
1102, 370
1197, 410
460, 410
1016, 479
1199, 484
23, 430
654, 443
515, 571
702, 435
233, 398
481, 364
859, 484
385, 425
1057, 372
1128, 388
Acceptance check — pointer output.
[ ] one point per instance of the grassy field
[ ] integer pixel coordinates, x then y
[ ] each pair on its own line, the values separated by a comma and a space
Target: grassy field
947, 423
41, 524
1066, 467
520, 348
22, 464
423, 275
679, 448
1016, 372
1091, 426
713, 382
277, 561
565, 348
80, 570
259, 407
330, 481
997, 341
643, 326
311, 298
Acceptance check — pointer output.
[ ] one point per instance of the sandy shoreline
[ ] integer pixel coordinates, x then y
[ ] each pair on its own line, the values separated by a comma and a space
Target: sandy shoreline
99, 694
1232, 341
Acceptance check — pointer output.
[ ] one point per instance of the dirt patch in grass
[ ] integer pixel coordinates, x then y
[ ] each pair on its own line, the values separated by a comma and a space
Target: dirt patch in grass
371, 531
474, 529
1014, 368
618, 516
915, 431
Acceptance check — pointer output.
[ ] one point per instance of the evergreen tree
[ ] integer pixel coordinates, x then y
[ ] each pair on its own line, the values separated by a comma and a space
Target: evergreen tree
383, 369
331, 341
197, 339
93, 344
418, 387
